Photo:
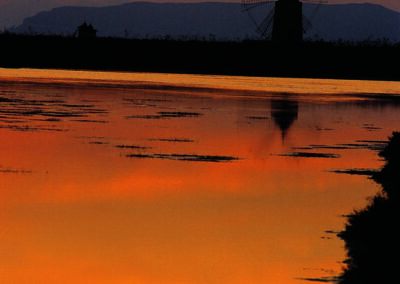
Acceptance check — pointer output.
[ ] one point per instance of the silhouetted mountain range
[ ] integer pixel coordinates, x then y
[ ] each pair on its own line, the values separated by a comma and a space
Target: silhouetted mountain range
211, 20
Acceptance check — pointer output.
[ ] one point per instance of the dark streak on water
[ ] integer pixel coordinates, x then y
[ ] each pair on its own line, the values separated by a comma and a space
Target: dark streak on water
363, 172
311, 155
186, 157
321, 280
165, 115
90, 120
371, 127
152, 103
258, 117
177, 140
98, 143
32, 128
15, 111
132, 147
361, 144
9, 170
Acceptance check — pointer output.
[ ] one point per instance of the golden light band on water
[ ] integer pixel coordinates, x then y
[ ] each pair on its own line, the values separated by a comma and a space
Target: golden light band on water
281, 85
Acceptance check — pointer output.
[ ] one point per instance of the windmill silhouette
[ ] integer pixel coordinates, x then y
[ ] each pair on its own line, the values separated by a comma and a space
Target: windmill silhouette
284, 20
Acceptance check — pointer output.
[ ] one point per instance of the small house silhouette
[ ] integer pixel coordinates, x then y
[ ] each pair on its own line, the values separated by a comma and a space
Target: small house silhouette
86, 31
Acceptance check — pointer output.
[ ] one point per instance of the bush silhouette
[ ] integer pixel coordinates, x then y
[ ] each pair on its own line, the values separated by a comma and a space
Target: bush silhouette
371, 235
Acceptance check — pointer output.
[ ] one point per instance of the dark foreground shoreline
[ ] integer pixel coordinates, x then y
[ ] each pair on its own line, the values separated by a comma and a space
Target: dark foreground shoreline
246, 58
371, 234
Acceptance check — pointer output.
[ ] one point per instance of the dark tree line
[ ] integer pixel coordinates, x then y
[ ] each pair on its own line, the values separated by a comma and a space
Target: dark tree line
377, 61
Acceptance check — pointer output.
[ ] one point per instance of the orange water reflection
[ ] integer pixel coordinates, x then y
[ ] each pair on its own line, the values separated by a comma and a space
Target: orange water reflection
96, 186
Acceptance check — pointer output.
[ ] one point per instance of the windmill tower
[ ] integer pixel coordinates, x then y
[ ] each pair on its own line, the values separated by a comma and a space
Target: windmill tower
284, 22
288, 21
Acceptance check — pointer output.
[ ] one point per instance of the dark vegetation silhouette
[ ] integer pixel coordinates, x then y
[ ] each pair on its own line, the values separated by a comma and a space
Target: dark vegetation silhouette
310, 59
85, 31
372, 235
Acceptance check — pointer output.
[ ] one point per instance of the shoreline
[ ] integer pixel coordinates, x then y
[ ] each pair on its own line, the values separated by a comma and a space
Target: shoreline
370, 233
212, 84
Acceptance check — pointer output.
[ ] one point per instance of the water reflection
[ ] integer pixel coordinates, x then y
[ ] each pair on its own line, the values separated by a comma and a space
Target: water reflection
111, 183
284, 112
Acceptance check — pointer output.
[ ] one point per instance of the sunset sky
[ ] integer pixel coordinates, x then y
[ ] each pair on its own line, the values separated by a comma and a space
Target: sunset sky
13, 12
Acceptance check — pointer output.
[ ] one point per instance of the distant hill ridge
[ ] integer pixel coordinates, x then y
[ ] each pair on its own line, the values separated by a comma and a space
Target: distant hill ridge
211, 20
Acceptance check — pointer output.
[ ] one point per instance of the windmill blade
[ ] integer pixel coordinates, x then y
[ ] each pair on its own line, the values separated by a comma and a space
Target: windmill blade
316, 10
250, 4
306, 24
265, 28
318, 5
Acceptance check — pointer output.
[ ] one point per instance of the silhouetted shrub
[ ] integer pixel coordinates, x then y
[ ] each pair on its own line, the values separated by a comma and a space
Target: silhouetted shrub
372, 235
389, 176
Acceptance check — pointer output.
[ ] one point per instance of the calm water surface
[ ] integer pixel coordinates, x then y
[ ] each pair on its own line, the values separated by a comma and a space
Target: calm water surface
151, 178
